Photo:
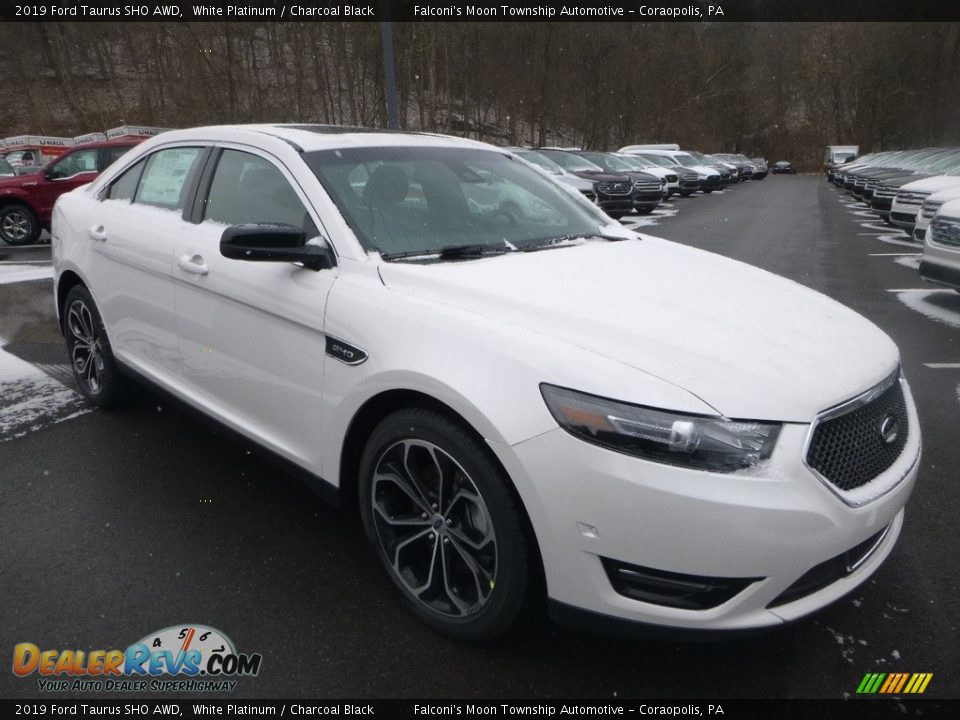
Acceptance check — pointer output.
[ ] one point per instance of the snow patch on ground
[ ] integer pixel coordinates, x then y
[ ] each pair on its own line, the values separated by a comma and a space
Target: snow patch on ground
898, 239
910, 262
649, 220
847, 643
940, 305
24, 273
30, 399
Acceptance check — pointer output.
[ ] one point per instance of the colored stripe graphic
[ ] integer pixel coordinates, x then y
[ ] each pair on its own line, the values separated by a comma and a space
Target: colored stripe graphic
894, 683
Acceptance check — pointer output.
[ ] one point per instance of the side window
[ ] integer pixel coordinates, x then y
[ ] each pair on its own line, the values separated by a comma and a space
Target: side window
74, 163
113, 154
248, 189
125, 186
164, 180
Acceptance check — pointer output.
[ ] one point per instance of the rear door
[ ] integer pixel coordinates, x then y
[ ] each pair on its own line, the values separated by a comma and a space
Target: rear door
134, 232
251, 333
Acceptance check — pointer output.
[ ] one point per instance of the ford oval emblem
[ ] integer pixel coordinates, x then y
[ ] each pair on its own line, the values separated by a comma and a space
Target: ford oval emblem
889, 429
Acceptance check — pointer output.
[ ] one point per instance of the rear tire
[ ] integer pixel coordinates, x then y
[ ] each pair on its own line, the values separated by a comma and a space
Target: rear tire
18, 225
447, 526
91, 357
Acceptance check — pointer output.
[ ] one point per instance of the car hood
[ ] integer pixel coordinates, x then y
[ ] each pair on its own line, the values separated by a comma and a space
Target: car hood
749, 343
16, 181
574, 181
601, 176
898, 181
933, 184
705, 170
950, 210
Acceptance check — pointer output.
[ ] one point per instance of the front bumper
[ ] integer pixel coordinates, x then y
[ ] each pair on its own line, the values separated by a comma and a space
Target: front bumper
940, 263
772, 526
904, 215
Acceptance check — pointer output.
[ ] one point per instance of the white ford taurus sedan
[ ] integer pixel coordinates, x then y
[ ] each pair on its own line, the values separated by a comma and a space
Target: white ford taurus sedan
524, 406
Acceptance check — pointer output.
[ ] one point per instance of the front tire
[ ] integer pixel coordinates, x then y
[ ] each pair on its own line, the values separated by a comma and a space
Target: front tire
91, 357
18, 225
446, 525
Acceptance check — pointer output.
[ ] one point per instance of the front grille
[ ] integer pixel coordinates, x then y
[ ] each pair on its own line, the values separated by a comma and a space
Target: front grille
614, 188
882, 192
849, 448
645, 186
906, 197
945, 232
826, 573
929, 209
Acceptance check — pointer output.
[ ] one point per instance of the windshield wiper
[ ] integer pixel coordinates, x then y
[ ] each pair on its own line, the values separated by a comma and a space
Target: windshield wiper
453, 252
470, 251
560, 241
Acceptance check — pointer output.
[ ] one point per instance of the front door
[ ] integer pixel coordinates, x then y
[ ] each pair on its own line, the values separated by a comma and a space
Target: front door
251, 333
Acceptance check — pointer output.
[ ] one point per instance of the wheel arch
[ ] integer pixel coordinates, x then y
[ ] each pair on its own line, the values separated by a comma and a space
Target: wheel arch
378, 407
369, 415
67, 281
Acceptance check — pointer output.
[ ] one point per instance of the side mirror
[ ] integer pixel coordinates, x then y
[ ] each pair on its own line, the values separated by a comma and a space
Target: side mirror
48, 173
273, 243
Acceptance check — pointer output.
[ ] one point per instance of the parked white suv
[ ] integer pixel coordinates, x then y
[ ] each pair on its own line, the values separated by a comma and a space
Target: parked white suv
709, 177
941, 247
521, 406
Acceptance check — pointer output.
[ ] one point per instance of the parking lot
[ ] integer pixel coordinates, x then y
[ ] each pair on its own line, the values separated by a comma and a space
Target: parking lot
119, 523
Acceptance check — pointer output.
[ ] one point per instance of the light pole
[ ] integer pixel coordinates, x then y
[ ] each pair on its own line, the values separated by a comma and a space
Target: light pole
389, 68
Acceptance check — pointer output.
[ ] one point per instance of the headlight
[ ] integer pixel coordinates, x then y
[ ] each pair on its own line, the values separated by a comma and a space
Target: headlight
707, 443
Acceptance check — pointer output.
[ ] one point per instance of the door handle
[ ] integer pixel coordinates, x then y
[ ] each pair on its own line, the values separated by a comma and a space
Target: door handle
193, 264
98, 232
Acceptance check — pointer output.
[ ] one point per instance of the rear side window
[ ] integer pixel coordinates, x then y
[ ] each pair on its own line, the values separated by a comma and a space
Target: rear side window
115, 153
249, 189
125, 186
164, 180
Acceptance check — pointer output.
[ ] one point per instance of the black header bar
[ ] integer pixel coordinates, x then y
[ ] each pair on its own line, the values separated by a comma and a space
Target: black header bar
485, 11
52, 705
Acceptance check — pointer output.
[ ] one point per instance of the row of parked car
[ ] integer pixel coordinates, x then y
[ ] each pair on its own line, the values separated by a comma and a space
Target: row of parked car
637, 178
917, 191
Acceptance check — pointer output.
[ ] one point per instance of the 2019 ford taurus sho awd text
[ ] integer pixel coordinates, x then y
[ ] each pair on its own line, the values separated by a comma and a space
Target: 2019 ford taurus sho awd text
526, 402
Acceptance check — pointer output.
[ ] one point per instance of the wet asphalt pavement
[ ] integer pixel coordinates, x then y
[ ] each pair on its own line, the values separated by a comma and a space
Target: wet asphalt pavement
114, 524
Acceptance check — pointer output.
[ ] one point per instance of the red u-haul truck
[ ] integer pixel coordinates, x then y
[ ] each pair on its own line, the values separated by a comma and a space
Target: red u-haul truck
34, 149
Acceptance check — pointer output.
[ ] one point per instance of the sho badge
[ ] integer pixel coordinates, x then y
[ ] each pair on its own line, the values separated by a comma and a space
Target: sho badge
344, 351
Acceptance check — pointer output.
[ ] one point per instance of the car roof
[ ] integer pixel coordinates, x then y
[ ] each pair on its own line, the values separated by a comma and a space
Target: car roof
312, 137
116, 142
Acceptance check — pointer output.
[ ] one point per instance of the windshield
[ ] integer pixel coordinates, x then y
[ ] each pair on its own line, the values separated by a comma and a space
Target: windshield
569, 161
948, 163
686, 160
659, 160
635, 162
432, 200
541, 160
607, 162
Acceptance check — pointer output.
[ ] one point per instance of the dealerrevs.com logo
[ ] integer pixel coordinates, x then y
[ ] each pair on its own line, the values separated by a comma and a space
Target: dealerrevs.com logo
182, 658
